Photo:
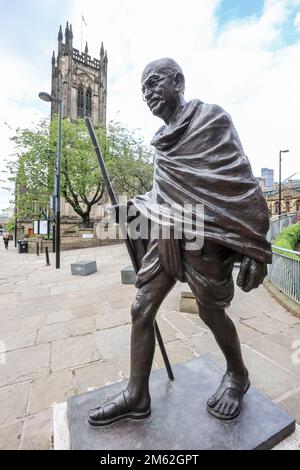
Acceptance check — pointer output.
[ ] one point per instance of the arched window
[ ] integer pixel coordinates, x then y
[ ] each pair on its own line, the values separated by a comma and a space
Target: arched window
287, 206
80, 102
298, 205
88, 102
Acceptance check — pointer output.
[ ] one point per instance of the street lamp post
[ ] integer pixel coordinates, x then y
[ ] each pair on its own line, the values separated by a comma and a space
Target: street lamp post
279, 187
48, 98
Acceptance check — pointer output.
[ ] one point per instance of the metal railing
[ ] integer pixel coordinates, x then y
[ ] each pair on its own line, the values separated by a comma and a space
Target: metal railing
284, 272
279, 222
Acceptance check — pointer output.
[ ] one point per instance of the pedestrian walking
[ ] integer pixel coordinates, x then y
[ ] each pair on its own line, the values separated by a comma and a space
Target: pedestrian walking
6, 240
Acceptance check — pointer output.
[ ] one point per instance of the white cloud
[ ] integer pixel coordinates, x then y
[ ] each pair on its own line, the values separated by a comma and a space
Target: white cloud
245, 67
21, 84
297, 21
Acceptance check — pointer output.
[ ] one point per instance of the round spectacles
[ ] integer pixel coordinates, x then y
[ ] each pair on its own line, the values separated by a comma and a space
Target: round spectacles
152, 82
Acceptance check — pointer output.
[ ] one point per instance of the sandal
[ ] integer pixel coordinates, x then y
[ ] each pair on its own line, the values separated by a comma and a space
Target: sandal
99, 416
235, 387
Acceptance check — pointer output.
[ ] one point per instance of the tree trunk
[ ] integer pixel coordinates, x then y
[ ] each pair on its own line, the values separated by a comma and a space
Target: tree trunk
86, 219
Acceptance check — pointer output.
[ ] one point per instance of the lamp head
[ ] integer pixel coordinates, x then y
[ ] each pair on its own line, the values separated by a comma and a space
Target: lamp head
45, 97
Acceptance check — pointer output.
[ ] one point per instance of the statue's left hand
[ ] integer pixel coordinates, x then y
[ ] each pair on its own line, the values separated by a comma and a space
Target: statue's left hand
251, 275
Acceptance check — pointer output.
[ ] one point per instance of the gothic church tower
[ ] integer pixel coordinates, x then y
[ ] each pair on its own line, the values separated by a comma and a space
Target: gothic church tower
79, 80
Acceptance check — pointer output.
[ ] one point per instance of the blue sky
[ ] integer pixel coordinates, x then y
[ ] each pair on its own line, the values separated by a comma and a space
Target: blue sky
243, 55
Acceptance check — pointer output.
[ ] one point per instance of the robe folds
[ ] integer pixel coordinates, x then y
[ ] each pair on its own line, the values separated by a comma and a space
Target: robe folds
202, 161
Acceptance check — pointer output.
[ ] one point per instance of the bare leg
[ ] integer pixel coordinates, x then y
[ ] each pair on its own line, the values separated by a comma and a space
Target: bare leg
226, 402
134, 402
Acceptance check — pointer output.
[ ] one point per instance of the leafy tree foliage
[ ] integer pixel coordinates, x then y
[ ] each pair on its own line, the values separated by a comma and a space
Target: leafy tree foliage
128, 160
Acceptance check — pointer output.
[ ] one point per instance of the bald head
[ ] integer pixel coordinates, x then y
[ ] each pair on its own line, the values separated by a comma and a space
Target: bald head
165, 66
163, 88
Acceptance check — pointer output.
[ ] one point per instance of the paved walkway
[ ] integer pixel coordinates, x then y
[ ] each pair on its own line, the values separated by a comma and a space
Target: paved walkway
62, 334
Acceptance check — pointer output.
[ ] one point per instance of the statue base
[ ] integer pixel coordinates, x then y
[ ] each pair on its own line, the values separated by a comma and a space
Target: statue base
179, 419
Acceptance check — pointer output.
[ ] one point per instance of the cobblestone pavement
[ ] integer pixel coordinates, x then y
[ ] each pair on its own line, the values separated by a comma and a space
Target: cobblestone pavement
61, 335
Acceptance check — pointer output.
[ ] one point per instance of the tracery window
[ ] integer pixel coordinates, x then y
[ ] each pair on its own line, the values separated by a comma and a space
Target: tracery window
80, 102
88, 102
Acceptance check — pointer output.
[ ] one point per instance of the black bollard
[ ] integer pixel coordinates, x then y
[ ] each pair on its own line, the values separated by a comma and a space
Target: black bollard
47, 256
37, 246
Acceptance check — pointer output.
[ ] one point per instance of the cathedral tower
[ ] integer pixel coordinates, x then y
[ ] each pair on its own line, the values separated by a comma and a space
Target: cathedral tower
79, 80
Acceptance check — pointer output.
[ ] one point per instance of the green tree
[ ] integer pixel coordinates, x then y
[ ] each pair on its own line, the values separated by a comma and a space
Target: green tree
10, 225
128, 160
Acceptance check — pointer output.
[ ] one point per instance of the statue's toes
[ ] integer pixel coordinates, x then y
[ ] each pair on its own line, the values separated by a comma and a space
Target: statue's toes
212, 401
233, 408
96, 414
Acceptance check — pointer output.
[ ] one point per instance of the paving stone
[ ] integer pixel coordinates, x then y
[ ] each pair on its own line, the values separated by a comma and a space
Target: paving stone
269, 377
59, 317
102, 373
25, 364
284, 316
37, 309
292, 405
111, 320
167, 331
65, 288
120, 303
33, 323
177, 352
71, 352
247, 334
73, 300
33, 294
10, 435
86, 310
8, 326
47, 391
277, 353
18, 340
114, 341
13, 399
82, 326
200, 344
37, 431
266, 324
181, 323
287, 339
53, 332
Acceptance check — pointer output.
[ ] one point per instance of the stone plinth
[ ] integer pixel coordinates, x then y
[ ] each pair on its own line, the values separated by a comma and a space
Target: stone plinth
179, 419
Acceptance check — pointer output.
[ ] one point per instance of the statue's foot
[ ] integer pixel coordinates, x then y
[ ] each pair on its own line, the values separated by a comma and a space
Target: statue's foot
226, 403
118, 408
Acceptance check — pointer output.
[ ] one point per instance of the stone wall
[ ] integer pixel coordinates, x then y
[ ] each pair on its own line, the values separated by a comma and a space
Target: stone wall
80, 239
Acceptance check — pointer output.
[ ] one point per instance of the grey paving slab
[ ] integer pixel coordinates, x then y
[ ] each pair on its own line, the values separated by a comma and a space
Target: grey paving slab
47, 391
37, 432
114, 341
265, 374
78, 306
10, 435
101, 373
71, 352
13, 399
18, 340
25, 364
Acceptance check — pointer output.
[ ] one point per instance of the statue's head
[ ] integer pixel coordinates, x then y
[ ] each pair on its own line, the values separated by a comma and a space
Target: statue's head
162, 86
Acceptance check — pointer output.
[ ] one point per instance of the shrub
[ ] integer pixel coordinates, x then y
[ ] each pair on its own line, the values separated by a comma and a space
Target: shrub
288, 238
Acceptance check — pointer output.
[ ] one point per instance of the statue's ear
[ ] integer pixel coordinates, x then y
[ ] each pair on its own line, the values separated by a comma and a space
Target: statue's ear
179, 82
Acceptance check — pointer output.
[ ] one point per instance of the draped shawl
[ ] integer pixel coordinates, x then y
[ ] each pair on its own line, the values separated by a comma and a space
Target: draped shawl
201, 161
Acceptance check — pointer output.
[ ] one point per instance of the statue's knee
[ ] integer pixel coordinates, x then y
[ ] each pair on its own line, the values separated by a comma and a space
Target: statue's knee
140, 313
135, 311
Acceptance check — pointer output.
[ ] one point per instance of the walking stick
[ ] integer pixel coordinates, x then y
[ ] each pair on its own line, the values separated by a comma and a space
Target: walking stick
130, 250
